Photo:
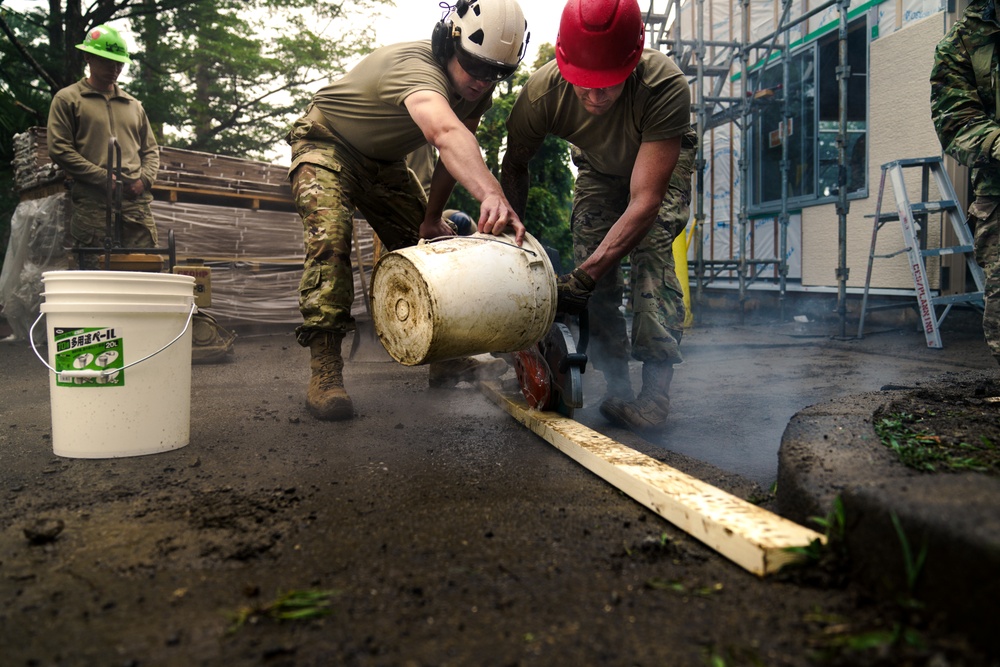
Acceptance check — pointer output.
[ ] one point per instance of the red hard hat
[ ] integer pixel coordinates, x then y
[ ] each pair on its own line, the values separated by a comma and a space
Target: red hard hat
599, 42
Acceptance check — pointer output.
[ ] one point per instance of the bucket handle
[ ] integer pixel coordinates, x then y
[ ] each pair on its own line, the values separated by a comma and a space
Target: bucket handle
491, 239
110, 371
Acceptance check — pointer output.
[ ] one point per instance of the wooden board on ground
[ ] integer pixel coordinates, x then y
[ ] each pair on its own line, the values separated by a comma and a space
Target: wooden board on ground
748, 535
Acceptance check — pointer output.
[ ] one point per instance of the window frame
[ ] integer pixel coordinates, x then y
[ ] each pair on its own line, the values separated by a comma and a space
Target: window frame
809, 51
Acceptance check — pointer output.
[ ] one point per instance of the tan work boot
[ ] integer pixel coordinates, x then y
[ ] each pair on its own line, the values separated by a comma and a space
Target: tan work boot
448, 373
647, 414
326, 397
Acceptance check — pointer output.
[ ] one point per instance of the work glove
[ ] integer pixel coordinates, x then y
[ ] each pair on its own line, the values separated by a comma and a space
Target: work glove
573, 291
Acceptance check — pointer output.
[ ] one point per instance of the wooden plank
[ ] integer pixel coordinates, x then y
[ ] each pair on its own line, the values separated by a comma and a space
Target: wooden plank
748, 535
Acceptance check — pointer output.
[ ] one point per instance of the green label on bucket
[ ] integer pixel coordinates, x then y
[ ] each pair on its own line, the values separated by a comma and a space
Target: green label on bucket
88, 357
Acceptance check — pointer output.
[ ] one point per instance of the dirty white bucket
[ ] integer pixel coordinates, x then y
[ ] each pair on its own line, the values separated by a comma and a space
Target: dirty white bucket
462, 295
119, 356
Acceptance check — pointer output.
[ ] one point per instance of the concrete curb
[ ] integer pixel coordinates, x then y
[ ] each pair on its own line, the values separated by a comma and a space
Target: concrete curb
831, 449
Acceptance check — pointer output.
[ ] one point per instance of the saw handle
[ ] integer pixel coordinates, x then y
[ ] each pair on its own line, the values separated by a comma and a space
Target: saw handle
584, 323
574, 359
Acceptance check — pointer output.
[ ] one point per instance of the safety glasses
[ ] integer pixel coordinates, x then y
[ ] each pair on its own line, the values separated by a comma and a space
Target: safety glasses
483, 70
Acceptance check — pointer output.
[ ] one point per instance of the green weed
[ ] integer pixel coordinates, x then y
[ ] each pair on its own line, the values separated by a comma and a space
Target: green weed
677, 586
291, 606
913, 565
833, 526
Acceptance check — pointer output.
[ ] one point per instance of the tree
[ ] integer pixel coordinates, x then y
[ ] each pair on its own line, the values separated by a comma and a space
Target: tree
229, 75
550, 193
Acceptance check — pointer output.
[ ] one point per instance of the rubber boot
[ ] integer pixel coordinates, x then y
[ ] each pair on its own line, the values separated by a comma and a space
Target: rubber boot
647, 414
326, 398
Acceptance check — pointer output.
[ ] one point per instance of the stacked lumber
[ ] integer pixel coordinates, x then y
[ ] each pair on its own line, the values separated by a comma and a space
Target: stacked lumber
184, 175
191, 172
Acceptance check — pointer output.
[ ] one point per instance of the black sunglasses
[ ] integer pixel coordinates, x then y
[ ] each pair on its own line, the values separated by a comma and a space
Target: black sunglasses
483, 70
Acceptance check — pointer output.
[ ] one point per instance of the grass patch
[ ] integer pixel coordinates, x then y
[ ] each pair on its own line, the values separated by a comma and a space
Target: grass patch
921, 449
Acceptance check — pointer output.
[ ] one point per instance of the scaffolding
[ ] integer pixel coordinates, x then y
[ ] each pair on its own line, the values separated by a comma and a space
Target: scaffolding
708, 74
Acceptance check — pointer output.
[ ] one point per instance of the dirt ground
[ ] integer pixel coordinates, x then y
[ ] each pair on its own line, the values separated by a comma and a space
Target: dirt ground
439, 530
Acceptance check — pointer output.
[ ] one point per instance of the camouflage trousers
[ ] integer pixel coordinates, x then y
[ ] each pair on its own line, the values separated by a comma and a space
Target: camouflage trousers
89, 224
329, 181
656, 297
985, 215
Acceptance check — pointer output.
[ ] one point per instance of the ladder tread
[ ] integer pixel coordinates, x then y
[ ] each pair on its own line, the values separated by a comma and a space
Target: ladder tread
953, 250
914, 162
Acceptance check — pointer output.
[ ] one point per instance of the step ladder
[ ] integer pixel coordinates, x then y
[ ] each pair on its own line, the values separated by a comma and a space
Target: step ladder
910, 214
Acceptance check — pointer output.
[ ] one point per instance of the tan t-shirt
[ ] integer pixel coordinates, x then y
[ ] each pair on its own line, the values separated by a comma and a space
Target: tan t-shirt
365, 106
655, 104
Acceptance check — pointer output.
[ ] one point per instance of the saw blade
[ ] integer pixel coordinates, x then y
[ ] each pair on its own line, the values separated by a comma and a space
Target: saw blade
534, 376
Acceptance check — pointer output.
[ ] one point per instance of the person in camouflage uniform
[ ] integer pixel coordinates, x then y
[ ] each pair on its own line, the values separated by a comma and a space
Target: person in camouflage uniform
964, 106
626, 112
82, 119
349, 152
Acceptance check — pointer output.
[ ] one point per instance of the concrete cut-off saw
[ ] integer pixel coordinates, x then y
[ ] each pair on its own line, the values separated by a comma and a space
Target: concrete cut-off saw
550, 373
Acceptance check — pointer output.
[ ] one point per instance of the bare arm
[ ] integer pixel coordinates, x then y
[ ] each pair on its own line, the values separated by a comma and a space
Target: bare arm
650, 177
515, 177
442, 183
459, 152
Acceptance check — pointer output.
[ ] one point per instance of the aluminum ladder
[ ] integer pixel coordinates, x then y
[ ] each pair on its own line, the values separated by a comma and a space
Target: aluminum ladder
909, 213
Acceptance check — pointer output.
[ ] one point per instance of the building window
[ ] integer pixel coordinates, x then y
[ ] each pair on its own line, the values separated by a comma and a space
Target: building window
812, 125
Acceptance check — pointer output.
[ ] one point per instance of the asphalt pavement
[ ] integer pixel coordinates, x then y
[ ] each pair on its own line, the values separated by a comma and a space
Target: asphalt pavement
732, 401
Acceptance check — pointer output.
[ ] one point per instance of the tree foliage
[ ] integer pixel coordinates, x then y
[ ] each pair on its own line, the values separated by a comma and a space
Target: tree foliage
226, 76
550, 193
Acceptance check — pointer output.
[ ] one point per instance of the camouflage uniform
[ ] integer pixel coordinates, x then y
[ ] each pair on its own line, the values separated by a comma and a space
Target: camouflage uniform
329, 179
656, 295
964, 106
90, 223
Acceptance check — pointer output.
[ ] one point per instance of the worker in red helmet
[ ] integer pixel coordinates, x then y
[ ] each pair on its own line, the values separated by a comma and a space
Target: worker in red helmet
626, 112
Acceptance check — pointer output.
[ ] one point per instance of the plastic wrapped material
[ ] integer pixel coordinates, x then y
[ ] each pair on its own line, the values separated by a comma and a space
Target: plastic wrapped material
37, 232
32, 168
255, 257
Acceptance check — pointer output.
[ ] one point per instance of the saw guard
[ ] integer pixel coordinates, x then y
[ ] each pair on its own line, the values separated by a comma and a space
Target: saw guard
566, 366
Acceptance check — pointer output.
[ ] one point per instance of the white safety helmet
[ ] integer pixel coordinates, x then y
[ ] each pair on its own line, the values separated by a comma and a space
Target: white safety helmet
488, 36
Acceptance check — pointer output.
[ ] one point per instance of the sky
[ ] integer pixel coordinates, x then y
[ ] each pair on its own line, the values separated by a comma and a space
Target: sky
414, 19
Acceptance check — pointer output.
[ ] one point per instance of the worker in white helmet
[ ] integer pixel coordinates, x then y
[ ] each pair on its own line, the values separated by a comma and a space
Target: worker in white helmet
349, 152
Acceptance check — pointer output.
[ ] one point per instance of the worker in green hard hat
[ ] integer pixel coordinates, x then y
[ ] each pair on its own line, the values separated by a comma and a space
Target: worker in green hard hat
82, 119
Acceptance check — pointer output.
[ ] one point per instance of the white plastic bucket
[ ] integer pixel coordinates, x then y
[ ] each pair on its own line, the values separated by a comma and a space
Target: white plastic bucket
462, 295
119, 355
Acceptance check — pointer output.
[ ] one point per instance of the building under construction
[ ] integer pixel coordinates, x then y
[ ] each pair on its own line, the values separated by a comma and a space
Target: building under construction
799, 104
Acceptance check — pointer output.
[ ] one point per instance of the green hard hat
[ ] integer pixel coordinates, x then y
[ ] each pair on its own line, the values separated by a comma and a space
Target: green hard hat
104, 41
